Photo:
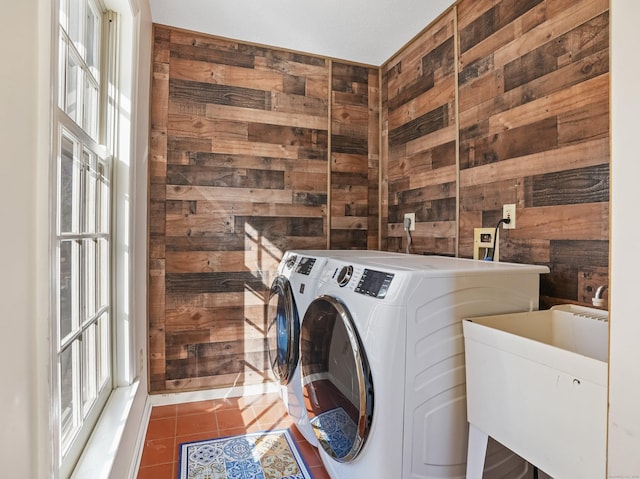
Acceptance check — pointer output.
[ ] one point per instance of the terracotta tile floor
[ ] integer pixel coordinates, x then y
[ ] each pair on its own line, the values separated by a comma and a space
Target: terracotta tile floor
169, 426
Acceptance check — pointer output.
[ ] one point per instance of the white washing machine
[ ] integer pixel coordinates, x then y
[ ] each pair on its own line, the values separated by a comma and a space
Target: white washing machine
382, 362
292, 291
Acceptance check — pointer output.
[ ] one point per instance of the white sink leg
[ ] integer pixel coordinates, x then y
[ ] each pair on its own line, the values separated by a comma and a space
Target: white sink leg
476, 452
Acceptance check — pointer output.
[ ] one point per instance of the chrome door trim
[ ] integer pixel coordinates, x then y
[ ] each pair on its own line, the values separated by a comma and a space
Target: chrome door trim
364, 380
281, 287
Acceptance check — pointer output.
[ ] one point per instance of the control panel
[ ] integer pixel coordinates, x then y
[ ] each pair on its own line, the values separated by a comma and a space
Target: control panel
374, 283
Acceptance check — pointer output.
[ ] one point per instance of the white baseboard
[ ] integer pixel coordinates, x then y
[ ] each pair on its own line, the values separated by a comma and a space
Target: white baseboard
192, 396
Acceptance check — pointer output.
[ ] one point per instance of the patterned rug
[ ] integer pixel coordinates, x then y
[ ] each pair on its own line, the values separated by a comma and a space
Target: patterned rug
336, 429
260, 455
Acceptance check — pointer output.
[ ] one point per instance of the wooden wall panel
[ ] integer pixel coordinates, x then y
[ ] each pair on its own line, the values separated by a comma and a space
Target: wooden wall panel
419, 135
354, 156
256, 150
239, 174
534, 131
159, 150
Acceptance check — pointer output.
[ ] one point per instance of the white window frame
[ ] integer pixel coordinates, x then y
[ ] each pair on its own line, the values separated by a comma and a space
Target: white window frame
96, 144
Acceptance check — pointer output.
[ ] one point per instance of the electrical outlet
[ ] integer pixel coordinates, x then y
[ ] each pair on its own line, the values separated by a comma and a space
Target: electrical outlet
412, 218
509, 211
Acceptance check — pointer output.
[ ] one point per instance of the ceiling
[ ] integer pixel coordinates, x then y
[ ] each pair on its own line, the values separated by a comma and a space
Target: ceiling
364, 31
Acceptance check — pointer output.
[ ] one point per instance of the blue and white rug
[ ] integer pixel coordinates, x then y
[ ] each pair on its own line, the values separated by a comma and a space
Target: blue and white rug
260, 455
336, 429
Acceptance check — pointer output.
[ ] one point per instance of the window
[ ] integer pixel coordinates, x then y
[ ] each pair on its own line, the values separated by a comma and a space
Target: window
82, 241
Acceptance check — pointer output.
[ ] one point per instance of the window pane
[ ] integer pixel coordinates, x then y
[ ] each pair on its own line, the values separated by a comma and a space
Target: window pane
104, 199
69, 382
73, 87
90, 280
69, 281
93, 39
64, 14
90, 114
102, 273
62, 70
89, 368
69, 187
76, 24
104, 350
91, 184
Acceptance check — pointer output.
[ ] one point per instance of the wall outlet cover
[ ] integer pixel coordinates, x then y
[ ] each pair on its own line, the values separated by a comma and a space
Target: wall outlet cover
412, 217
509, 211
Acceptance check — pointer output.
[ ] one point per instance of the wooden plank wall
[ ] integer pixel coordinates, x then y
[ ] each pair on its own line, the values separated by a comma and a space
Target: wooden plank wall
354, 156
534, 131
419, 136
239, 174
256, 150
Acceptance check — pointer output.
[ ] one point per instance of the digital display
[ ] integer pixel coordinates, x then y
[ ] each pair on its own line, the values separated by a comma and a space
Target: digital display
374, 283
305, 265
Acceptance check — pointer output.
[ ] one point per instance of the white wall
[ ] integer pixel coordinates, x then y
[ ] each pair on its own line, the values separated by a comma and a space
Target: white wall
25, 102
24, 130
624, 375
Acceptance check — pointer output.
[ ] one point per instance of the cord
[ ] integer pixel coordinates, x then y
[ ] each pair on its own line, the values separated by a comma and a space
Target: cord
407, 225
495, 237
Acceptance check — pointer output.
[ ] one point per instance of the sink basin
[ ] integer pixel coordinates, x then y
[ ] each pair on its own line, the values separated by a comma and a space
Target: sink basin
537, 383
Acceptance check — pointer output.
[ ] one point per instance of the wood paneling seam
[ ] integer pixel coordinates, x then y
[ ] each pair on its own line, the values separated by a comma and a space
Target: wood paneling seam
380, 176
329, 147
456, 57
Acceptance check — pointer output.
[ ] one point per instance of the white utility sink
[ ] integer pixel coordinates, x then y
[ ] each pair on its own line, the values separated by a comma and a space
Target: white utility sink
537, 383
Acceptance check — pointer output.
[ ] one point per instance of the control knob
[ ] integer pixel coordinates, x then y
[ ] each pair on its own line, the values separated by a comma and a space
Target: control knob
345, 275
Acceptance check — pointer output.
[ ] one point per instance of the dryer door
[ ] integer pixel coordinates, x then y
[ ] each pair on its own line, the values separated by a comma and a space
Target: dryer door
336, 379
283, 330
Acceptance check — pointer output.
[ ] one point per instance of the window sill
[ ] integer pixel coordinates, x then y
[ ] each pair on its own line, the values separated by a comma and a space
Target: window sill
101, 452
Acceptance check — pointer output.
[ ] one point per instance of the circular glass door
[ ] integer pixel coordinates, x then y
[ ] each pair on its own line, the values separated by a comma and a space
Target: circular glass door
283, 330
336, 379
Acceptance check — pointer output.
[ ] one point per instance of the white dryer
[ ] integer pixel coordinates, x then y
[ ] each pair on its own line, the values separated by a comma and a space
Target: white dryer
382, 362
292, 291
